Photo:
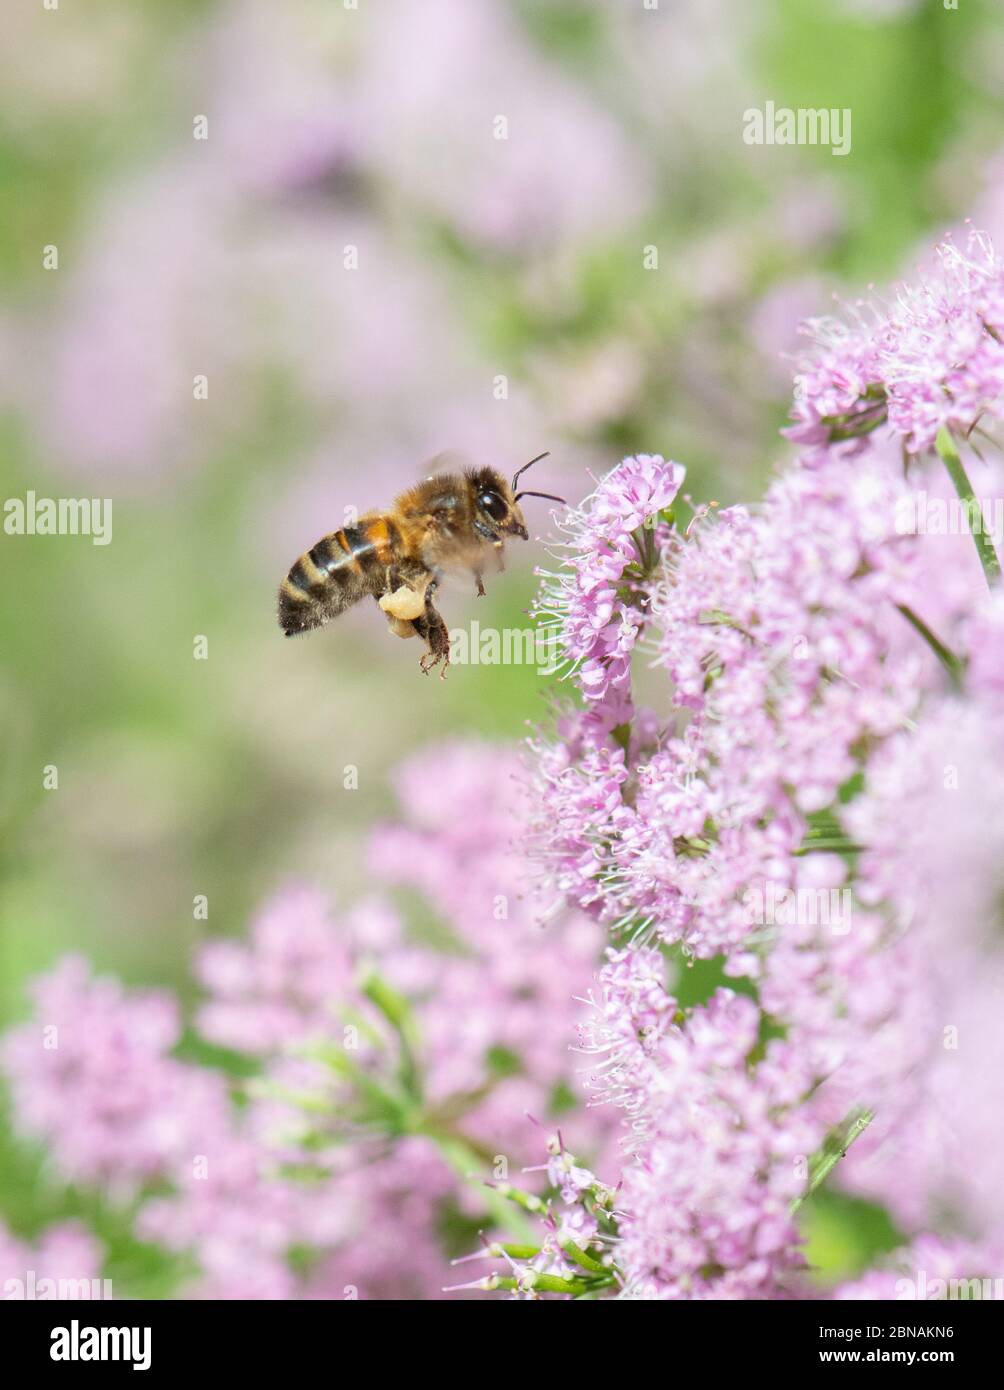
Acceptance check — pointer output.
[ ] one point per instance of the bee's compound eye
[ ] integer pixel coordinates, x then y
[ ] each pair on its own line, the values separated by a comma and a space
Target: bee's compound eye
493, 504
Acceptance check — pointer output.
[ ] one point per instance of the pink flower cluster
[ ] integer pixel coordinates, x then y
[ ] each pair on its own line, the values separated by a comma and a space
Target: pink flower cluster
813, 806
595, 605
933, 358
932, 818
779, 632
392, 1075
721, 1143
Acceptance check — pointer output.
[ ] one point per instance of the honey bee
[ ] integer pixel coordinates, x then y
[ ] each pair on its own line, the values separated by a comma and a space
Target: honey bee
449, 523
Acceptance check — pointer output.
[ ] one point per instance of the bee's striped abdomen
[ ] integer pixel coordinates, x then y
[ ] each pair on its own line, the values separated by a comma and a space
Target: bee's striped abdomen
335, 573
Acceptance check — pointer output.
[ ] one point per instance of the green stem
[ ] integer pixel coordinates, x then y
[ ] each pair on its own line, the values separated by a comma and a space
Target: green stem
398, 1013
834, 1148
464, 1161
828, 844
583, 1258
945, 446
952, 664
553, 1283
545, 1283
517, 1252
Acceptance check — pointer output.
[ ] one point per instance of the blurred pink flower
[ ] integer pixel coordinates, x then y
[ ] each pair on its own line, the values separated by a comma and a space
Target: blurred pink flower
151, 304
774, 326
928, 1269
465, 135
64, 1251
92, 1077
304, 1165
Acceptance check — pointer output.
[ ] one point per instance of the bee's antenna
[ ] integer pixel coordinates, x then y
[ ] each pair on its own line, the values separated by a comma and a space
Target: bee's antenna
544, 455
549, 495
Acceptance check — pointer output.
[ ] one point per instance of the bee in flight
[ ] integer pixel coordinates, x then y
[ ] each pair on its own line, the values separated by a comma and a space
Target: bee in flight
451, 522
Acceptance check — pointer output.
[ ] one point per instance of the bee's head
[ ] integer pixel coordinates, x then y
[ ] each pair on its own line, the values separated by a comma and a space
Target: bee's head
497, 508
497, 501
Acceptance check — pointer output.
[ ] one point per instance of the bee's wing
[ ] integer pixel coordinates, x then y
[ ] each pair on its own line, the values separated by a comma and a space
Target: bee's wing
449, 461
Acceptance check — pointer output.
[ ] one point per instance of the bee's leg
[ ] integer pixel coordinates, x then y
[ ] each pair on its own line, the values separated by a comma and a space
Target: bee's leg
478, 579
437, 637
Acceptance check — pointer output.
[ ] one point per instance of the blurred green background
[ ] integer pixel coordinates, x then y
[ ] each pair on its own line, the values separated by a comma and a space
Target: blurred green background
506, 300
